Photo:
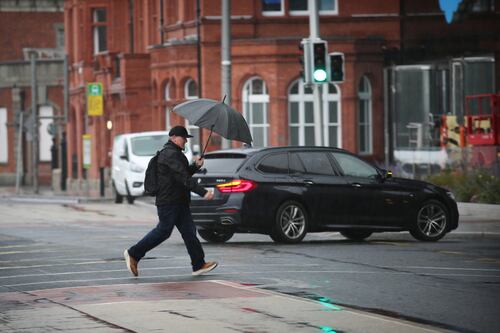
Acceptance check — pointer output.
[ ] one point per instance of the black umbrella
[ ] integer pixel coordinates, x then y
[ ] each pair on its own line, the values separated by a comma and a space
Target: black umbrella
216, 116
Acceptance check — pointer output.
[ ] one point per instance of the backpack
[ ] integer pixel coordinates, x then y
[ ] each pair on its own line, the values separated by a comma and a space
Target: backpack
151, 185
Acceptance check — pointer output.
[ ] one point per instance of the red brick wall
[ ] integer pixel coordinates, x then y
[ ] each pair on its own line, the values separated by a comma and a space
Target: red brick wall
26, 30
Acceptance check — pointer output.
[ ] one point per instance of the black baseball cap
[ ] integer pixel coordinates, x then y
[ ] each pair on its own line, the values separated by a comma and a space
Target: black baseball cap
179, 131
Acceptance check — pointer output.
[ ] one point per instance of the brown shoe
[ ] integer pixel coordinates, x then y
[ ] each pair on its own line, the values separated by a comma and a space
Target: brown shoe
207, 267
131, 263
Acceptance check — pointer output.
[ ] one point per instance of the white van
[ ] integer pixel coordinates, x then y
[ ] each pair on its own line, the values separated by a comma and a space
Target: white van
130, 158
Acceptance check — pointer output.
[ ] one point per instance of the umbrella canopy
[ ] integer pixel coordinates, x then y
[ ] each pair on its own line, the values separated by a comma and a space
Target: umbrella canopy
217, 117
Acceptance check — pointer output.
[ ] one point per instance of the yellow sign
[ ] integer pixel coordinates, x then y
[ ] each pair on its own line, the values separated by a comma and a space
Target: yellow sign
94, 99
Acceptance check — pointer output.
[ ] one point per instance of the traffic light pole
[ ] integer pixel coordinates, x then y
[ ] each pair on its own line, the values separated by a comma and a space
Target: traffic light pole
317, 90
226, 59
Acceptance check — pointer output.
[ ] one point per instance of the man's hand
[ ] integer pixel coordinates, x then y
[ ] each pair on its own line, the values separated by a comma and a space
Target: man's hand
199, 162
209, 195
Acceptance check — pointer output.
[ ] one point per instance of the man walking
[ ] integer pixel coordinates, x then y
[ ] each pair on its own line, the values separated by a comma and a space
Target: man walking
172, 201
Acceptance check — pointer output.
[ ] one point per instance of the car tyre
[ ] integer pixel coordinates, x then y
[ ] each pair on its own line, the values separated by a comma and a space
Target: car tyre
431, 222
215, 236
291, 223
118, 196
130, 197
356, 235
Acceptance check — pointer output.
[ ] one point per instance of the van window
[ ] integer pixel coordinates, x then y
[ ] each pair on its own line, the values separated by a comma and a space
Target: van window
147, 145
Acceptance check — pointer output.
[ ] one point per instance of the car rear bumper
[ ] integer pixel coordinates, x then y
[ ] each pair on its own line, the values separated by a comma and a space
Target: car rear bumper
218, 218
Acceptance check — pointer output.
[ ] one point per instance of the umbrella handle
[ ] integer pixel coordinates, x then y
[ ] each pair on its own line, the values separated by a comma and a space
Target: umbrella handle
208, 140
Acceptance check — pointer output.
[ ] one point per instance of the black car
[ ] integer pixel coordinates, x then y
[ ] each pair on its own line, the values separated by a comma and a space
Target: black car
286, 192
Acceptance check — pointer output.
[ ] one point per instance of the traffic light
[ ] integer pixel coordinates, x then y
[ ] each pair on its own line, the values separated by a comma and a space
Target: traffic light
319, 70
305, 60
336, 67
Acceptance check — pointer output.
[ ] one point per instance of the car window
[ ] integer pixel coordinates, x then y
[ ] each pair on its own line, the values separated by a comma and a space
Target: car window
295, 164
275, 163
353, 166
316, 163
223, 164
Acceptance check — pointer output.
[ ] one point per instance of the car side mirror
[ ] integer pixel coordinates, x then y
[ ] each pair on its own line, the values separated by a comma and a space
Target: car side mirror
386, 174
124, 157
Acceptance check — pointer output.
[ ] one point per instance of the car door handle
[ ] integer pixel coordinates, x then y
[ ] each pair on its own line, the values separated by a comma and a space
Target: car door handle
356, 185
308, 182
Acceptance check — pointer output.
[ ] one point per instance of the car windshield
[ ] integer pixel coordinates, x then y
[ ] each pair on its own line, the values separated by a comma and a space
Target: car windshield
148, 145
223, 163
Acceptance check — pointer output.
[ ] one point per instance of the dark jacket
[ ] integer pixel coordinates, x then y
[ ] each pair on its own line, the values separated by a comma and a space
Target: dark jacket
174, 177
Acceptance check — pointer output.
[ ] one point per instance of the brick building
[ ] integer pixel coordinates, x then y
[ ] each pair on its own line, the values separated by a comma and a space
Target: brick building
29, 28
149, 56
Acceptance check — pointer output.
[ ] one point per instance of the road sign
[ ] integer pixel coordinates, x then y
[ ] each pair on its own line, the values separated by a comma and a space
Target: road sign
94, 99
86, 150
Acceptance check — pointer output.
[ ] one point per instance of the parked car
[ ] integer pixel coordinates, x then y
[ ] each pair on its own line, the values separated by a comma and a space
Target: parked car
130, 157
286, 192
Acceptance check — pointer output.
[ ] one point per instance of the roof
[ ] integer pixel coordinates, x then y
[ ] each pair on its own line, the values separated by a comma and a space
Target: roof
253, 150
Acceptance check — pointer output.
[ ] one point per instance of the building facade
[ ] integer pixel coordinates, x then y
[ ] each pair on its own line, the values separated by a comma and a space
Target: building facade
150, 55
30, 28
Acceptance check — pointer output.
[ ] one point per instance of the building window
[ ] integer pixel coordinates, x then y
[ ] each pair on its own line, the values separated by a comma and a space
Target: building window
304, 127
365, 116
272, 7
167, 98
331, 116
4, 138
59, 28
301, 115
45, 139
255, 104
99, 27
191, 92
325, 7
190, 89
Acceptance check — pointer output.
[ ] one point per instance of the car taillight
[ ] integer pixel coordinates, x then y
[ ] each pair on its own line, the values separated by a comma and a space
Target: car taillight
238, 185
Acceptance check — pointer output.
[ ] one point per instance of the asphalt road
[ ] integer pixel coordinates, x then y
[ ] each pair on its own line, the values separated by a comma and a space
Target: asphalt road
453, 284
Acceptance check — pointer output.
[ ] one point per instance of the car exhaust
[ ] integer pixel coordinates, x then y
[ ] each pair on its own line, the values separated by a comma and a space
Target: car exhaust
226, 220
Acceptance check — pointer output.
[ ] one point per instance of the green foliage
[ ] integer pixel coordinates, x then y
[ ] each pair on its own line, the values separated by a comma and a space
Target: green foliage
477, 186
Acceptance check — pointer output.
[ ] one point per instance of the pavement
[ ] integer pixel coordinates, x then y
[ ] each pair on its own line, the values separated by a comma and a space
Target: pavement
200, 304
190, 306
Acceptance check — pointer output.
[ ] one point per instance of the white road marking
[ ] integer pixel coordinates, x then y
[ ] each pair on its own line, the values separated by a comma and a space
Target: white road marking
141, 269
248, 273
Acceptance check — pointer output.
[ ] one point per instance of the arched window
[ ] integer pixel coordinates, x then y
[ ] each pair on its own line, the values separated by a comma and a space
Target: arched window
365, 139
304, 127
191, 92
167, 98
190, 89
255, 104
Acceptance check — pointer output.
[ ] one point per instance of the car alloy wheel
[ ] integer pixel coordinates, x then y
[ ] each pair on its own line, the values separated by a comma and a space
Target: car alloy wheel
432, 220
291, 223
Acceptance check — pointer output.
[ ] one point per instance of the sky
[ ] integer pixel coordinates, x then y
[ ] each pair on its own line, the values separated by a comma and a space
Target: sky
449, 7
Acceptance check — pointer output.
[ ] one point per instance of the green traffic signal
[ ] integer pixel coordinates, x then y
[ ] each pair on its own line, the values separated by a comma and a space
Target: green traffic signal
320, 75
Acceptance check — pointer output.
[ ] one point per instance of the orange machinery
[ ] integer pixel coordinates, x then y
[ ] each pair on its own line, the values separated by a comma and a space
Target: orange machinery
482, 120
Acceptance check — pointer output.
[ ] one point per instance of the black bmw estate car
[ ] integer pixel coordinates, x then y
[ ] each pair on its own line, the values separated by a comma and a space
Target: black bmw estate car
286, 192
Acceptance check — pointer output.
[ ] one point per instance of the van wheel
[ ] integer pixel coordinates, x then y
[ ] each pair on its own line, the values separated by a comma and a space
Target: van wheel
291, 223
118, 196
130, 197
215, 236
